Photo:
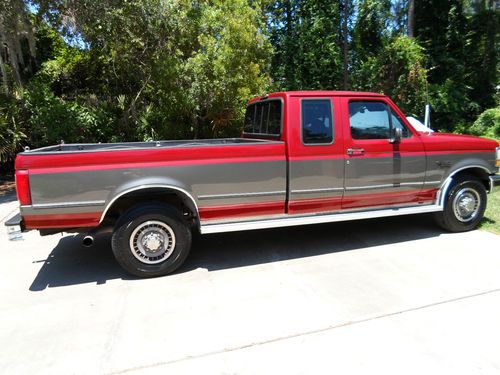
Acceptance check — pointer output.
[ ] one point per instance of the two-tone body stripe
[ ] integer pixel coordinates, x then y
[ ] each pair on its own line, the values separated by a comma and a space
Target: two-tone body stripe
313, 191
241, 195
69, 204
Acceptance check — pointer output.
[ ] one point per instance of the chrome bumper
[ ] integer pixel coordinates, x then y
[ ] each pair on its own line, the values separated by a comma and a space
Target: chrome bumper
494, 182
15, 227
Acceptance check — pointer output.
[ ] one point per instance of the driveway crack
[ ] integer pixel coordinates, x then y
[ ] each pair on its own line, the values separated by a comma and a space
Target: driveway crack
312, 332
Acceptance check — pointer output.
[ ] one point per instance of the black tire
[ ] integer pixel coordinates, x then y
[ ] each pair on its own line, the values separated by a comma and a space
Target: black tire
168, 235
469, 191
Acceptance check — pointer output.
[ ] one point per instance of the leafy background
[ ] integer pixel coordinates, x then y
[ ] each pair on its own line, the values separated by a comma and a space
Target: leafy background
124, 70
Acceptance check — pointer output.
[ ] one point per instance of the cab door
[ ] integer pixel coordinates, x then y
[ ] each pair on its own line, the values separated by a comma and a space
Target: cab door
315, 150
379, 171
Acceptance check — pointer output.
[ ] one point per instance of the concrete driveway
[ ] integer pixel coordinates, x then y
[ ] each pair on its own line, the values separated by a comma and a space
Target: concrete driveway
395, 296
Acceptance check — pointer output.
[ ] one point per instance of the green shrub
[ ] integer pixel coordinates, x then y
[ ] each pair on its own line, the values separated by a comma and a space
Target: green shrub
487, 124
12, 133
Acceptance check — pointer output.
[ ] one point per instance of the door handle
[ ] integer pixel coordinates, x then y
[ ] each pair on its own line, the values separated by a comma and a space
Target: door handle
355, 151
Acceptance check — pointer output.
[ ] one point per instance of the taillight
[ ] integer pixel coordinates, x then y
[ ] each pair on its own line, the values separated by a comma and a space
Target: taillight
23, 187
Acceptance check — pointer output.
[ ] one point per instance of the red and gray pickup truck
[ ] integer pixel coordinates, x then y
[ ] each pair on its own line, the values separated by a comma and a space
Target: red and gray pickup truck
304, 158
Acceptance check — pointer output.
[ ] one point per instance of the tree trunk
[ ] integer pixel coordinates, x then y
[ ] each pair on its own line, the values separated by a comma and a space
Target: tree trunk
3, 71
289, 68
411, 18
345, 44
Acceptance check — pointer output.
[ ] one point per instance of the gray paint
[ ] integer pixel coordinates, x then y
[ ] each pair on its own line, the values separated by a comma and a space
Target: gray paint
384, 175
316, 179
205, 180
439, 167
31, 210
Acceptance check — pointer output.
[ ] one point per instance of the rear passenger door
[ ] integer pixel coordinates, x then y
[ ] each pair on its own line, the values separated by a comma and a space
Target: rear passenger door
315, 155
378, 172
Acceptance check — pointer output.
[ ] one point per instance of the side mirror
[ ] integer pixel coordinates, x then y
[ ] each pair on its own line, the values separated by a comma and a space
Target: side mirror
397, 135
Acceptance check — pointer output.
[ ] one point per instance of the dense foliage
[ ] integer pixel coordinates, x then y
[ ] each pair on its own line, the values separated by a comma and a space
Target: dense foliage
119, 70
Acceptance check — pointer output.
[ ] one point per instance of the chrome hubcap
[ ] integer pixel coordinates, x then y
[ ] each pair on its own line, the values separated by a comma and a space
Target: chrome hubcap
152, 242
466, 204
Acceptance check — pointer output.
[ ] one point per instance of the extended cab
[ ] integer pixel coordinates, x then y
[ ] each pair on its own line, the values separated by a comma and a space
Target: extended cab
304, 158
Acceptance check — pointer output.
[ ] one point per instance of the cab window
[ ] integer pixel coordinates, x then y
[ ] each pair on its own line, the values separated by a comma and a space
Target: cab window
370, 120
264, 118
317, 122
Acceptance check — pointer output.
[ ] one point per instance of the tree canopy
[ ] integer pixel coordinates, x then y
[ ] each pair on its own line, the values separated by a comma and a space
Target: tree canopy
123, 70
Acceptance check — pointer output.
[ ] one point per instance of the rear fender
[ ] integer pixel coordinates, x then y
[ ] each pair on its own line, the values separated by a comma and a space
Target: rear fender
152, 183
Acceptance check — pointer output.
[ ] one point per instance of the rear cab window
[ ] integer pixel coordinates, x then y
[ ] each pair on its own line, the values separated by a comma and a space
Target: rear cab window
264, 118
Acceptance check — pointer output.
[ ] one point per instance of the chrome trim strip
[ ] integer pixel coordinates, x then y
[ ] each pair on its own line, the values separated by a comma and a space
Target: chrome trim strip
432, 182
316, 219
326, 190
241, 195
46, 150
441, 195
69, 204
349, 188
147, 186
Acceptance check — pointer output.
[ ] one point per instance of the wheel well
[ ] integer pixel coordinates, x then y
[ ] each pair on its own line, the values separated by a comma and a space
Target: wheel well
478, 173
174, 198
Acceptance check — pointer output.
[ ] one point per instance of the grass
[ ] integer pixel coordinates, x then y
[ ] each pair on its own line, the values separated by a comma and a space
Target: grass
491, 221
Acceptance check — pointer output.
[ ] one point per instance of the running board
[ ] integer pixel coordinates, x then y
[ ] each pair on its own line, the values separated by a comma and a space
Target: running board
316, 219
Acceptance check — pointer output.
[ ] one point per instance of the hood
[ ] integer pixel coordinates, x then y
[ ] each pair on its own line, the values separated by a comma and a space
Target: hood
457, 142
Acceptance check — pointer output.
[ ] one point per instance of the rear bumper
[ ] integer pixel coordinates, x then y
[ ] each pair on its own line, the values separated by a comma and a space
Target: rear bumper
15, 227
494, 182
14, 220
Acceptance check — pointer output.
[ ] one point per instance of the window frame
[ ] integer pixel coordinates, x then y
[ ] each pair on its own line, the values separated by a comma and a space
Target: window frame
392, 112
282, 102
332, 112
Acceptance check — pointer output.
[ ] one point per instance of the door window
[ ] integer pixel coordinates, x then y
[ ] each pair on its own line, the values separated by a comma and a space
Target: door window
370, 120
317, 123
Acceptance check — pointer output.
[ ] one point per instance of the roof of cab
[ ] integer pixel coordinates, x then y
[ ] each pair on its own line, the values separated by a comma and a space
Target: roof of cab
330, 93
316, 93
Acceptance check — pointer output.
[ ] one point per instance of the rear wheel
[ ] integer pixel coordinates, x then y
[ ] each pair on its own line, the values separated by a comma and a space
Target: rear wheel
464, 205
151, 240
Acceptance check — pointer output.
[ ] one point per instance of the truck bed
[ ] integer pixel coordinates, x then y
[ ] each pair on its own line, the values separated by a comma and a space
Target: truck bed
93, 147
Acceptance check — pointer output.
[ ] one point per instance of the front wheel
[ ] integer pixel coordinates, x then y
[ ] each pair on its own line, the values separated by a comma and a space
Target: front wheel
464, 206
151, 240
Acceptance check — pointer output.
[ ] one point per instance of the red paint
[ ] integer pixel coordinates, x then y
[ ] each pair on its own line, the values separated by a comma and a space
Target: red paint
155, 157
388, 199
242, 210
299, 206
78, 220
443, 143
427, 195
23, 187
155, 164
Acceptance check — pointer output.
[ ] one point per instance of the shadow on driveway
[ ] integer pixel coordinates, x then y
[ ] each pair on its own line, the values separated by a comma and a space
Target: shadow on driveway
70, 263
